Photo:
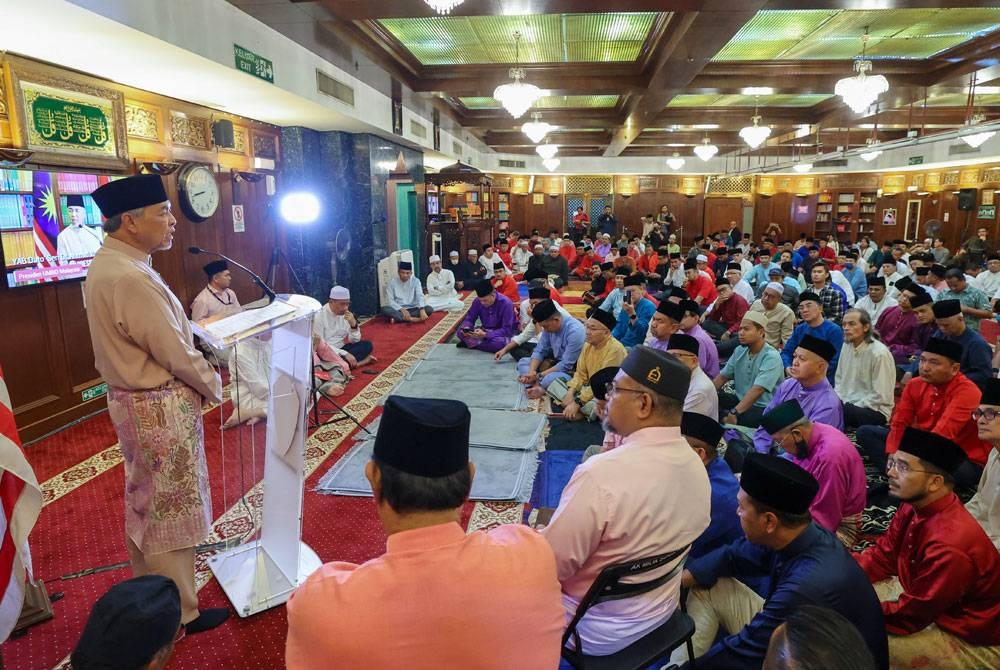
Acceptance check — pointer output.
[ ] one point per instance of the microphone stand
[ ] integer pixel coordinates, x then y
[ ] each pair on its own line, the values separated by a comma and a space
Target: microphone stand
256, 279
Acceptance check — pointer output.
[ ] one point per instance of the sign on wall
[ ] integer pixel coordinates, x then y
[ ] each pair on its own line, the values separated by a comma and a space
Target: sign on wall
987, 212
253, 64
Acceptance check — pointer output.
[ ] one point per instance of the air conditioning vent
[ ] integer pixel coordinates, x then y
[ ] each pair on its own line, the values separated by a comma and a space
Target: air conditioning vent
456, 148
507, 163
334, 88
832, 162
418, 129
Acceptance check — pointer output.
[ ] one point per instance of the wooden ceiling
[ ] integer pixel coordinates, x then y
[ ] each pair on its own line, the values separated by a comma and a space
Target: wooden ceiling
660, 78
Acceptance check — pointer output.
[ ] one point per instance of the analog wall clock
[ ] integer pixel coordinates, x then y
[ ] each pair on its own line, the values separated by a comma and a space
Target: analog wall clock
198, 192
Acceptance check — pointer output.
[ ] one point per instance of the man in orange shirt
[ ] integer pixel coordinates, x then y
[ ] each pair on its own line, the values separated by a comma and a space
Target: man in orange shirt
699, 287
503, 283
437, 598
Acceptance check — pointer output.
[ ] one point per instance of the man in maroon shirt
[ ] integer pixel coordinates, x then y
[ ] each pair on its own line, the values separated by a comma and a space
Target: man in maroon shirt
726, 313
935, 570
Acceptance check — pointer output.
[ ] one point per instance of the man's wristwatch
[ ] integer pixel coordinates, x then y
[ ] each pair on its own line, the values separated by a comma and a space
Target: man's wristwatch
734, 412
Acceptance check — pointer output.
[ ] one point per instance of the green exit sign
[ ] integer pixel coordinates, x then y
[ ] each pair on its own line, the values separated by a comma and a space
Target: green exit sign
254, 64
916, 160
94, 392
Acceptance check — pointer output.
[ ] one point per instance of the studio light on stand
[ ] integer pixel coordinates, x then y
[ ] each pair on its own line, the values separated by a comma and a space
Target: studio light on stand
298, 208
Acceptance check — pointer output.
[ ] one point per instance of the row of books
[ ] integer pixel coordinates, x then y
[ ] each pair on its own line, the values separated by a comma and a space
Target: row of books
15, 180
76, 183
19, 245
16, 211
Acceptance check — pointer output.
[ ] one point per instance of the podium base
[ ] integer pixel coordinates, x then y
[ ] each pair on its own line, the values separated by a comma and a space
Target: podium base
253, 582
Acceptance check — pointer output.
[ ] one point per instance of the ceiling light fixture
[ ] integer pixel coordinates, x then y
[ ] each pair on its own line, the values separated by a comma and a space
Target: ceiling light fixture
861, 90
547, 151
756, 134
973, 118
706, 150
517, 97
536, 129
443, 6
551, 163
675, 162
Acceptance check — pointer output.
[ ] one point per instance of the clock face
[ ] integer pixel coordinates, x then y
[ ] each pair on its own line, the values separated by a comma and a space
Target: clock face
199, 192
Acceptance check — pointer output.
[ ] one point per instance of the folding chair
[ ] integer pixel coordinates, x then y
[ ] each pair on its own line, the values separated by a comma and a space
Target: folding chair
653, 646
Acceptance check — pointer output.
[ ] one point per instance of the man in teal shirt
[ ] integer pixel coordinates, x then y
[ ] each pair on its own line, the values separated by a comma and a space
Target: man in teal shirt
637, 310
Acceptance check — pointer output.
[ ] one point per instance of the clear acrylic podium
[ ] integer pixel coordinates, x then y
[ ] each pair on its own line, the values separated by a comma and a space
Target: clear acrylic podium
262, 573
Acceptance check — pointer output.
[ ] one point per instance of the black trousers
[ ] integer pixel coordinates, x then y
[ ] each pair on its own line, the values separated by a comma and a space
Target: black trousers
360, 349
522, 351
749, 419
714, 328
855, 417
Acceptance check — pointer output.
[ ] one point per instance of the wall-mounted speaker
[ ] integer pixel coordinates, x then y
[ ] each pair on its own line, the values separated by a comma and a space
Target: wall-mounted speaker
222, 134
966, 199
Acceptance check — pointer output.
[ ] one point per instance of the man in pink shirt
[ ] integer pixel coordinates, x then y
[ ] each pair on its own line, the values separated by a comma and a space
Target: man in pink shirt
646, 497
437, 598
826, 454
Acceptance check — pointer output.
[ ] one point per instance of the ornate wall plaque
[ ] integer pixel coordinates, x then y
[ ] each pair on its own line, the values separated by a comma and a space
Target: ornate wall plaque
265, 146
991, 176
191, 131
239, 142
142, 122
949, 178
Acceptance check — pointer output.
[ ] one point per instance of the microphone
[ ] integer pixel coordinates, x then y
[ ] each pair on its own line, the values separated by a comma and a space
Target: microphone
256, 279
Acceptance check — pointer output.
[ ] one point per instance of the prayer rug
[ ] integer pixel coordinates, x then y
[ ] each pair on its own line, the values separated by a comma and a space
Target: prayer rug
577, 310
572, 435
492, 395
554, 470
518, 431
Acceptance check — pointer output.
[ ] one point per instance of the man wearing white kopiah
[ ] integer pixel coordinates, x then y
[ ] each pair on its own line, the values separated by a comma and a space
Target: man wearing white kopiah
441, 293
405, 297
78, 240
338, 327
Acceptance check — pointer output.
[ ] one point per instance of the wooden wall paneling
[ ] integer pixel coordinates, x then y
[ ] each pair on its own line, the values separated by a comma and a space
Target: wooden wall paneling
801, 214
763, 214
719, 212
78, 349
689, 214
519, 208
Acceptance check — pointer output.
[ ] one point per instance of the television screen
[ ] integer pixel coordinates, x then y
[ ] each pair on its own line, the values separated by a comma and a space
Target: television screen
50, 227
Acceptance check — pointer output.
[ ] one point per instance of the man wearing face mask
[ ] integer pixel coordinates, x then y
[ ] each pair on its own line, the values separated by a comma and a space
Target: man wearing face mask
826, 454
855, 275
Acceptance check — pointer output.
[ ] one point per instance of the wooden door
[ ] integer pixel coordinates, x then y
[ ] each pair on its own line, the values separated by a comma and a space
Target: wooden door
719, 212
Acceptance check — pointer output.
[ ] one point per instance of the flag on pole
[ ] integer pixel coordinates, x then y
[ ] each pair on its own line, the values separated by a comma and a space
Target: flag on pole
20, 504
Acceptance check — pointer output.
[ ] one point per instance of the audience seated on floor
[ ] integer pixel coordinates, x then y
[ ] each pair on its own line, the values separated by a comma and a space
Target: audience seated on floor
877, 301
557, 351
405, 297
985, 504
804, 563
636, 311
441, 293
976, 305
469, 271
807, 383
646, 497
814, 324
704, 434
817, 638
523, 343
734, 273
899, 327
780, 317
830, 295
505, 284
600, 350
708, 355
134, 625
602, 283
866, 375
438, 598
940, 400
755, 368
490, 322
665, 322
976, 363
336, 325
826, 454
723, 317
701, 287
935, 570
701, 396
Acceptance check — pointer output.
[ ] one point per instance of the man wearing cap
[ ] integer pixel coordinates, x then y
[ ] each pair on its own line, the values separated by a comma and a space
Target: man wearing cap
216, 301
535, 269
759, 275
467, 272
523, 343
877, 301
520, 257
989, 281
866, 374
701, 397
975, 304
780, 317
808, 383
755, 369
600, 351
708, 354
976, 363
922, 276
558, 349
602, 247
939, 400
405, 297
675, 273
803, 563
134, 625
665, 322
935, 571
698, 286
77, 240
723, 317
496, 318
441, 293
985, 505
791, 284
488, 259
636, 312
826, 454
336, 325
855, 275
734, 273
157, 381
438, 597
816, 326
505, 285
625, 504
899, 327
889, 271
704, 435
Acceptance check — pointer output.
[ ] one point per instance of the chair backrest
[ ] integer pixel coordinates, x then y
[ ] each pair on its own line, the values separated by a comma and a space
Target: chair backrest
608, 585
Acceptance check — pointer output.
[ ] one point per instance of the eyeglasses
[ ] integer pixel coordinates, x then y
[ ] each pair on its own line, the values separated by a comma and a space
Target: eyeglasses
777, 446
988, 414
902, 467
611, 388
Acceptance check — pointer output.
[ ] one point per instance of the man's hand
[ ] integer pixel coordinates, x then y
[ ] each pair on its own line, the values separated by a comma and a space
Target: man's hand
498, 356
572, 411
351, 360
730, 419
628, 308
478, 333
351, 320
529, 378
687, 580
406, 315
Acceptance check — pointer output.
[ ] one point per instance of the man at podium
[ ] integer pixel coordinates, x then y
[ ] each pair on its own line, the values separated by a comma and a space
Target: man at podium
157, 380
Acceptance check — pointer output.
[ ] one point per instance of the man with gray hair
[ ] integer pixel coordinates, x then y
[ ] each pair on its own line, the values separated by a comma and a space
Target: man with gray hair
866, 375
441, 293
780, 317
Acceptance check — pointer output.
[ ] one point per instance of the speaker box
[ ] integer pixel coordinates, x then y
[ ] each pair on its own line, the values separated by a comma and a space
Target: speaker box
966, 199
222, 134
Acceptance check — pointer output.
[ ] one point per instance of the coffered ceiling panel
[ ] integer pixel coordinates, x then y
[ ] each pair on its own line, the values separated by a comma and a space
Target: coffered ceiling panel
552, 38
779, 100
549, 102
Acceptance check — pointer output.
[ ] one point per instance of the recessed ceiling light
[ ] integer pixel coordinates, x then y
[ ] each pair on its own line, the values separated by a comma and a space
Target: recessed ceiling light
705, 126
757, 90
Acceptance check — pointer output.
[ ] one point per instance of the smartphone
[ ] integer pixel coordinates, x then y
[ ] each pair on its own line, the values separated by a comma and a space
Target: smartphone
628, 298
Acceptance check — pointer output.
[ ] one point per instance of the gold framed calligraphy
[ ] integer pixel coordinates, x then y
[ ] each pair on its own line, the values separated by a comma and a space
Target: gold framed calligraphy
68, 120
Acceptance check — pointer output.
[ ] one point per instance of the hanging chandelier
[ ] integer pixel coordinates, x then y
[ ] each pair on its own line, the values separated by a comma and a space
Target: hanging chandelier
974, 118
706, 150
861, 90
443, 6
675, 162
755, 135
802, 167
536, 129
551, 163
547, 151
517, 97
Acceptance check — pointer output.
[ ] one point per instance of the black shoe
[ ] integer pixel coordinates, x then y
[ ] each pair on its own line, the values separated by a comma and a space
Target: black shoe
207, 620
461, 345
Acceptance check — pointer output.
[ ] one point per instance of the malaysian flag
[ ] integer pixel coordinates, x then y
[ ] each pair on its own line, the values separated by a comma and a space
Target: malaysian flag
45, 225
20, 505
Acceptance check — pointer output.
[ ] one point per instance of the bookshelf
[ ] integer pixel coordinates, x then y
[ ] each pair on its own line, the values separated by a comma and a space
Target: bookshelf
824, 214
503, 207
17, 211
867, 205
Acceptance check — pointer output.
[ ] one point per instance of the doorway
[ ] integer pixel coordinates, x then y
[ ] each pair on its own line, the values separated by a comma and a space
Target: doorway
406, 216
